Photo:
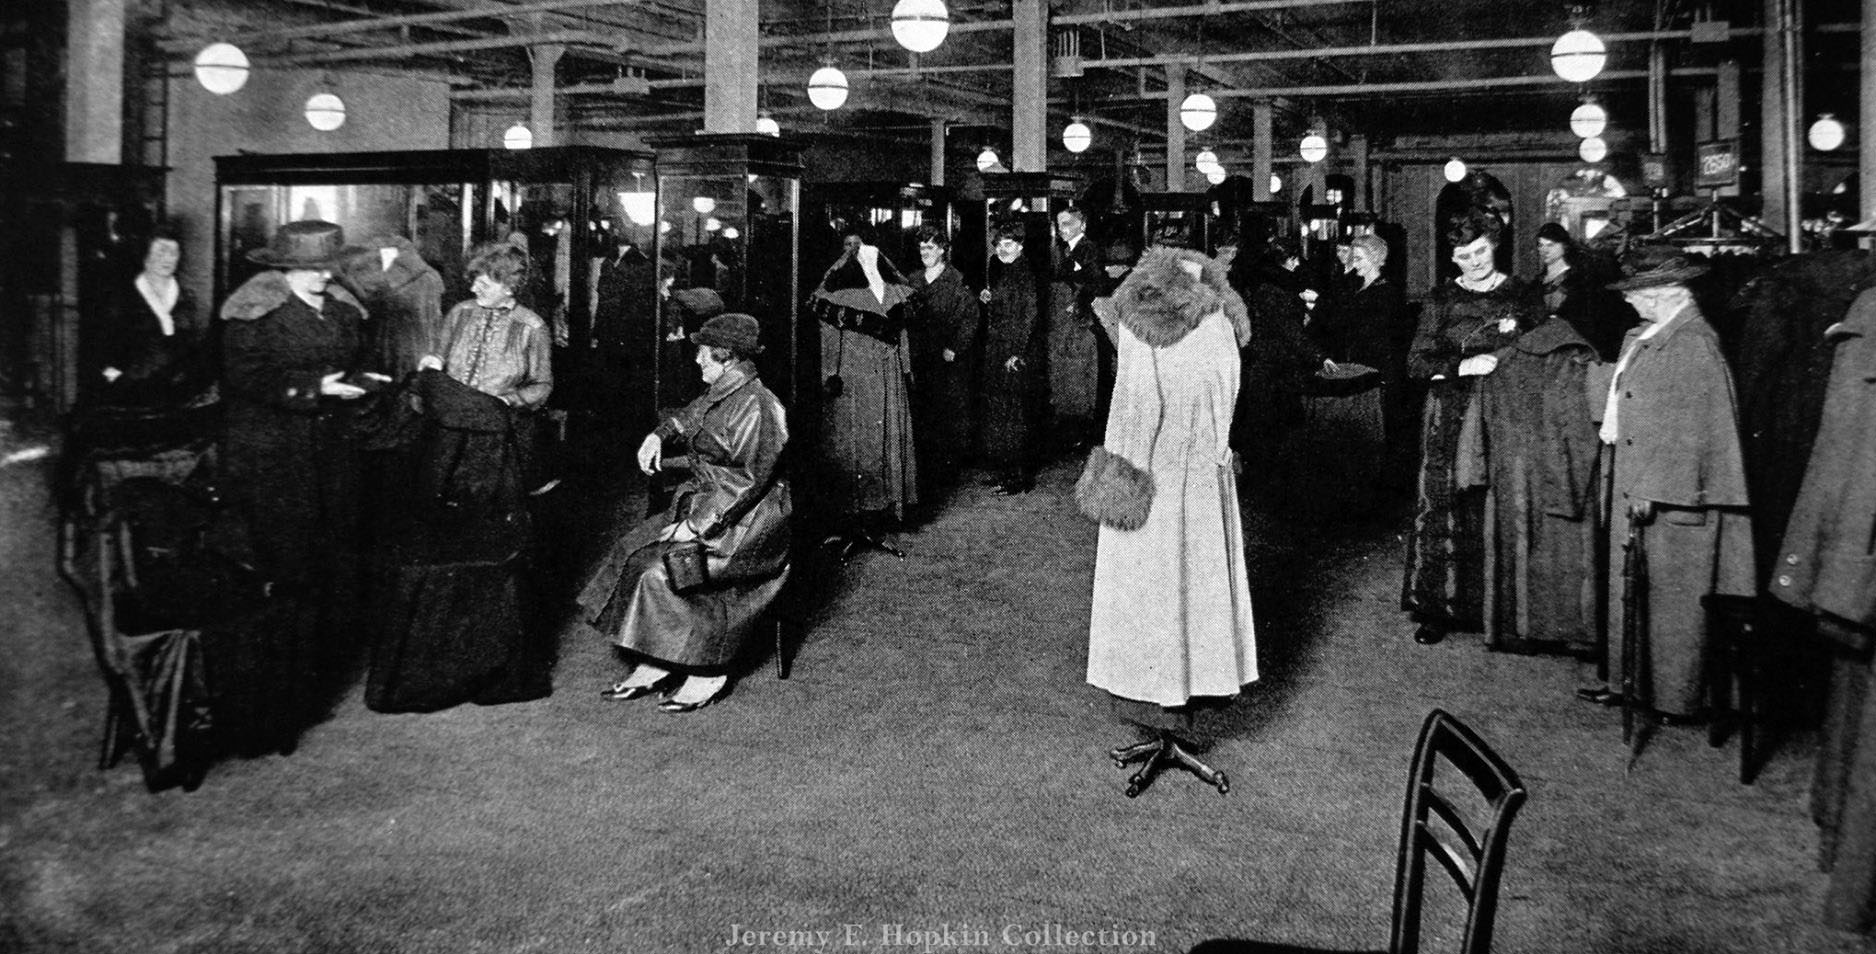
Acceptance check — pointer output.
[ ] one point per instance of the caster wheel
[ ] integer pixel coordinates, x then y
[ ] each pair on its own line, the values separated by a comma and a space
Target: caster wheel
1224, 784
1119, 764
1133, 791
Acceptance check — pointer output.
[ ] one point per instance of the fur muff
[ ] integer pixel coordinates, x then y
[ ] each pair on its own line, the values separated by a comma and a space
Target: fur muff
269, 290
1113, 492
1161, 302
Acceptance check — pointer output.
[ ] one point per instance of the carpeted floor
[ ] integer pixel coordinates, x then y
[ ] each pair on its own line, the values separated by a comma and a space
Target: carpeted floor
930, 778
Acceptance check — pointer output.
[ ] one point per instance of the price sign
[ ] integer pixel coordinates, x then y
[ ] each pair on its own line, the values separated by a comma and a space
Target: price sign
1718, 164
1654, 168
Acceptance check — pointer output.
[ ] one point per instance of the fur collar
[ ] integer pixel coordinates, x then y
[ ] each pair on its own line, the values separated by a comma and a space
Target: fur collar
269, 290
1161, 303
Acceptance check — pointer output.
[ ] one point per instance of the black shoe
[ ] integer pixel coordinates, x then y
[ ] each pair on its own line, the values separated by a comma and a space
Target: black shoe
1676, 719
1427, 634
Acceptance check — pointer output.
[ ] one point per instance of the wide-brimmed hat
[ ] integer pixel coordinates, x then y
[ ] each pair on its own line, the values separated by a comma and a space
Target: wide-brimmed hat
307, 244
735, 331
1674, 271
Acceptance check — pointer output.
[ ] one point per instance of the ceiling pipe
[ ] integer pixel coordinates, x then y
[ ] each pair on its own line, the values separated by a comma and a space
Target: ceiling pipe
1420, 86
1202, 10
322, 30
1390, 49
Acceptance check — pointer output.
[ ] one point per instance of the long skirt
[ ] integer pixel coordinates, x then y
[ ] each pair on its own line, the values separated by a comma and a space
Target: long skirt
1445, 578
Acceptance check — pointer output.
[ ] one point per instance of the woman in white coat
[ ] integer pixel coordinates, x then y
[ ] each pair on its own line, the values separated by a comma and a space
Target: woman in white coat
1171, 620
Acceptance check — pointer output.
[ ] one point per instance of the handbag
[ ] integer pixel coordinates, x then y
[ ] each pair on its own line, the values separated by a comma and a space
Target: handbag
684, 566
1112, 491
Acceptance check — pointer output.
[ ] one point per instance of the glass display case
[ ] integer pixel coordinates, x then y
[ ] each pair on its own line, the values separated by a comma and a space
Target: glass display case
1177, 218
572, 208
728, 222
888, 214
1029, 199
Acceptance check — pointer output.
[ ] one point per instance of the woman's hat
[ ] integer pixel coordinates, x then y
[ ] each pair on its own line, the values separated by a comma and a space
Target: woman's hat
308, 244
735, 331
1674, 271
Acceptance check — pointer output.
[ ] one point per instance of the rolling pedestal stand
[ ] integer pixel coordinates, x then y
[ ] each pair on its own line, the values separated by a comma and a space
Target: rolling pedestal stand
1165, 750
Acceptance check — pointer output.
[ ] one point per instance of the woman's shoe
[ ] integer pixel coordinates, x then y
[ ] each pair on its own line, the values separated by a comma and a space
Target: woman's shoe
1427, 634
718, 691
621, 691
672, 705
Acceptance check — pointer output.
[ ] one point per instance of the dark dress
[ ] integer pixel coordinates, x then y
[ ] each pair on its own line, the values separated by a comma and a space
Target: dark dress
293, 472
946, 316
1445, 577
453, 620
1278, 360
156, 370
740, 504
1012, 329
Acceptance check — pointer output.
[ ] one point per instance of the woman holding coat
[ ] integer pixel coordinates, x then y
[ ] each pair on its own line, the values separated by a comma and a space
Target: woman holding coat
683, 628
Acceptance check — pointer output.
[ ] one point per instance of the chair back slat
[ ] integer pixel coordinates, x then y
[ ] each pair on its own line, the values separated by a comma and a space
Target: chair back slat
1477, 863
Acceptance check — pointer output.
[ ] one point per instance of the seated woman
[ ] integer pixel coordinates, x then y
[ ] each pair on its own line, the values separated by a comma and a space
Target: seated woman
454, 625
735, 503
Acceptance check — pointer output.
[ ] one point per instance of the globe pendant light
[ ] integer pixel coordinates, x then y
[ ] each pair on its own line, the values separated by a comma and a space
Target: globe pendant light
1592, 149
1826, 134
988, 160
1313, 148
827, 88
766, 125
518, 136
221, 68
325, 111
1588, 120
1076, 136
703, 204
1276, 183
1454, 170
1198, 112
1206, 161
1578, 56
1215, 175
640, 204
920, 25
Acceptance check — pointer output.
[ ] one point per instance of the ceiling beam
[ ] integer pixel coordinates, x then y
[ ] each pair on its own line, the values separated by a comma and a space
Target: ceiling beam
369, 24
1202, 10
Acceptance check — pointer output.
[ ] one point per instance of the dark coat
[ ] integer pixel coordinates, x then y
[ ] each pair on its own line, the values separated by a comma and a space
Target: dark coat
155, 370
1534, 449
1359, 325
946, 316
403, 304
623, 312
739, 503
1012, 329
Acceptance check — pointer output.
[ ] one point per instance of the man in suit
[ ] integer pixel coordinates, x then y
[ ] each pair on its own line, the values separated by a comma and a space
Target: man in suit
1074, 356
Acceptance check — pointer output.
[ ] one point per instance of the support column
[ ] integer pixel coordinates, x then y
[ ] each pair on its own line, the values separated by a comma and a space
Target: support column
1866, 120
541, 99
938, 133
1726, 114
94, 89
1260, 147
1358, 155
1029, 102
1775, 119
1175, 130
1657, 97
730, 63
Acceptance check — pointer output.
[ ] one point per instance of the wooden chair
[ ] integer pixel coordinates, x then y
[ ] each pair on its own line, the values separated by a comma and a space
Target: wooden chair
1435, 825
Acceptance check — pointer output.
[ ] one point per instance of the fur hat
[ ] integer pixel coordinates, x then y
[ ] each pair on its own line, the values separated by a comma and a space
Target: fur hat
1161, 301
734, 330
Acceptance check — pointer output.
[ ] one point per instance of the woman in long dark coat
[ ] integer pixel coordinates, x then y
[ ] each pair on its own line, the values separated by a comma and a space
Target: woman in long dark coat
944, 349
1012, 359
1470, 316
736, 503
289, 344
453, 624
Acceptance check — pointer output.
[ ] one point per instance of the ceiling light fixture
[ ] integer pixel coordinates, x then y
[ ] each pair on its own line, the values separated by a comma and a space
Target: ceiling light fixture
767, 126
1826, 134
640, 204
920, 25
518, 136
1578, 55
1276, 183
221, 68
1198, 112
703, 204
827, 88
325, 111
988, 160
1215, 175
1206, 161
1589, 119
1454, 170
1314, 148
1076, 136
1592, 149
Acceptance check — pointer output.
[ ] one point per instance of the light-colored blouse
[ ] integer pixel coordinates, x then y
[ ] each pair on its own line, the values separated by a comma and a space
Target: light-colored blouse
505, 352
